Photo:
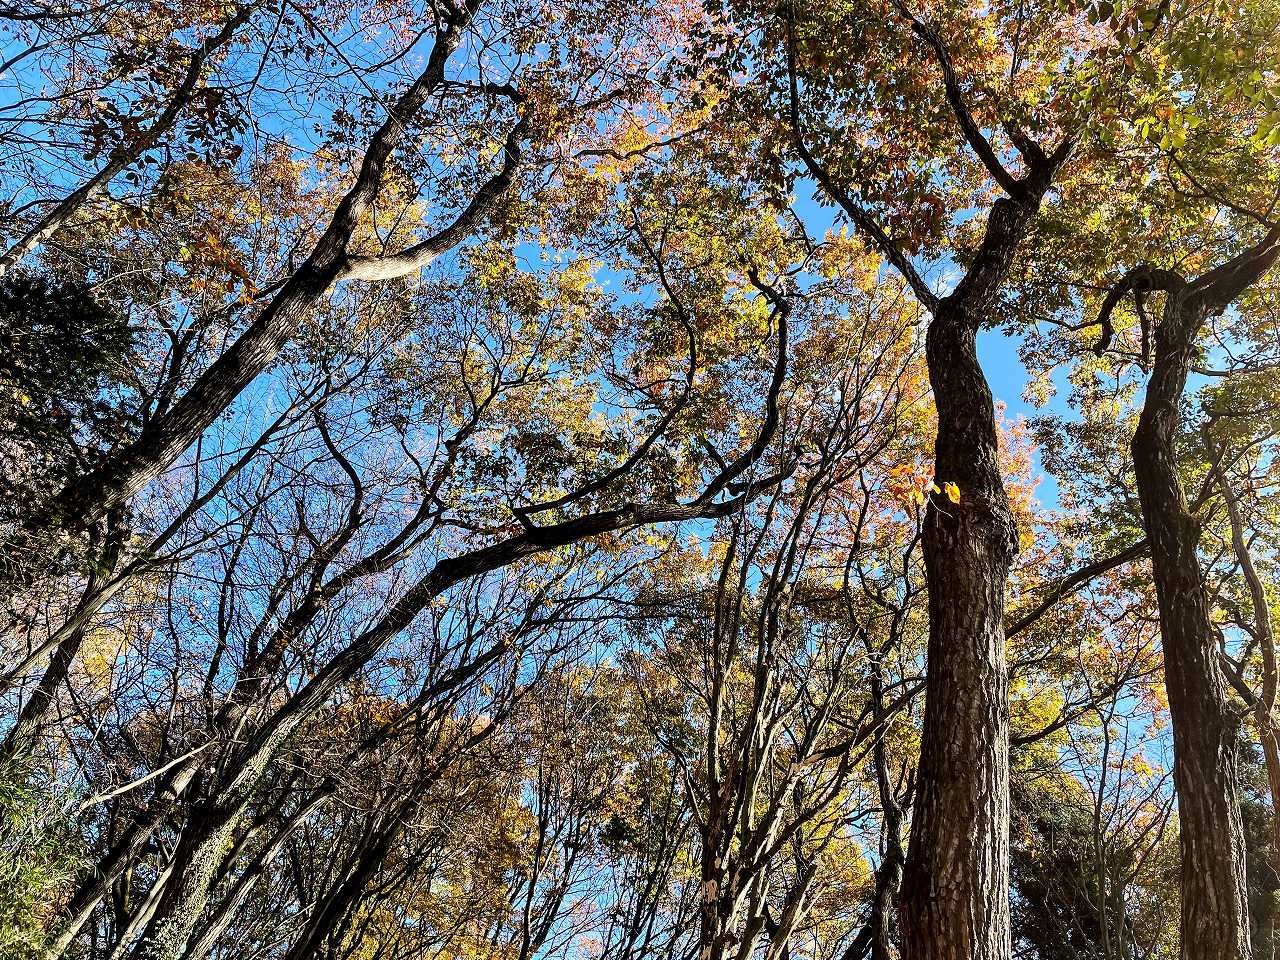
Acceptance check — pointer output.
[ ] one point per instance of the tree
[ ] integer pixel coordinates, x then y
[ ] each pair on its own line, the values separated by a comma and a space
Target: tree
492, 514
66, 358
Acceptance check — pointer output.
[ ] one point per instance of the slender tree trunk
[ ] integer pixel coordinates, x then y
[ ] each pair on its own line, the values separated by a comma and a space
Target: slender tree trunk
22, 736
879, 938
336, 907
117, 480
1264, 704
1215, 915
127, 154
884, 913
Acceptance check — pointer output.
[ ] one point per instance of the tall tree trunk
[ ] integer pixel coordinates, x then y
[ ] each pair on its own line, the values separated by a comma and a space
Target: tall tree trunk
955, 893
1215, 915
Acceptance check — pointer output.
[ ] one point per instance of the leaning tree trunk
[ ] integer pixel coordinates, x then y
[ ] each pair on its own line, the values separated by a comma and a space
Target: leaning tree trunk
24, 734
1215, 919
955, 894
113, 483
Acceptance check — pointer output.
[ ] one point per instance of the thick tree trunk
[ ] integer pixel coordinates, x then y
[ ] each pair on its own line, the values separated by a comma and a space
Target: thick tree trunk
197, 862
955, 894
955, 898
1215, 921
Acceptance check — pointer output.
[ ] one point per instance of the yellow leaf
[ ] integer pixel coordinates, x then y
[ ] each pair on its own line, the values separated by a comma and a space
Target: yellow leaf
952, 491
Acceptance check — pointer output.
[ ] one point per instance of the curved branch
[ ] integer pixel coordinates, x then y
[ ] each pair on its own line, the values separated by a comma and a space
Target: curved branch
664, 421
421, 255
781, 311
1073, 582
123, 156
860, 217
964, 116
1215, 290
1141, 280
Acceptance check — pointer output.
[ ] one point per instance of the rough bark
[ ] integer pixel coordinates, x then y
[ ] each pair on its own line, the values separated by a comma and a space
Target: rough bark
1215, 918
955, 893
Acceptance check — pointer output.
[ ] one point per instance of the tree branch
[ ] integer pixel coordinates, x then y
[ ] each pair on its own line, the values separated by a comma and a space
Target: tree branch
860, 217
1073, 582
981, 146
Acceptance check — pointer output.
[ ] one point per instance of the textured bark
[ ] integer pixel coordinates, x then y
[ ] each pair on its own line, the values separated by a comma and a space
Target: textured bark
1215, 921
202, 945
955, 895
1215, 917
203, 844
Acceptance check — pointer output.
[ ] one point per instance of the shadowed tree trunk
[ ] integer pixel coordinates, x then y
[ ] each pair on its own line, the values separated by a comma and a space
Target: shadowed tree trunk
1215, 914
1214, 897
955, 890
955, 894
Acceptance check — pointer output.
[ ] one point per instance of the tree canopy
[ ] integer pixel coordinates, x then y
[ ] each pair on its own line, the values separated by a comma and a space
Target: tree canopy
491, 480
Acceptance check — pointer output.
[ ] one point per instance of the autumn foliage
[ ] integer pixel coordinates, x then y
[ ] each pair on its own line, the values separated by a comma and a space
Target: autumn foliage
495, 480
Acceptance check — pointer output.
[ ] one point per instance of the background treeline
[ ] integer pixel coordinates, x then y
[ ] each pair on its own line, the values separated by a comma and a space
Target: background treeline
499, 480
